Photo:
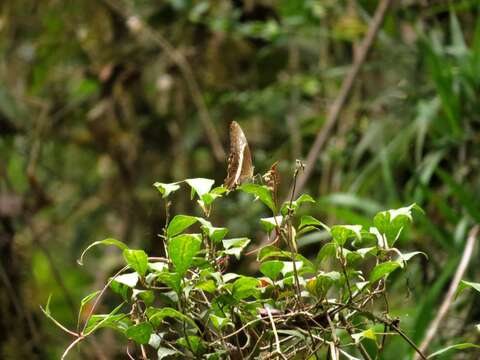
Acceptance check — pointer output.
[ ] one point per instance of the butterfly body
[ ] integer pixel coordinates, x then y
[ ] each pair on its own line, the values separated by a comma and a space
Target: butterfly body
240, 167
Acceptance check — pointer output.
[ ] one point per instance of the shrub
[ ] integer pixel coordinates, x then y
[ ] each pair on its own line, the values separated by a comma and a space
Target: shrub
188, 305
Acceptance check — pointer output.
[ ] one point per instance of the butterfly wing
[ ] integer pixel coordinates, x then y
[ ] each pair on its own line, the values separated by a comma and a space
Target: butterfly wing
239, 160
247, 165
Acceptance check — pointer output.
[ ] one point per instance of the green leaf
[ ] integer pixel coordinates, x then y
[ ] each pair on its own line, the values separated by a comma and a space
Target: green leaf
146, 296
137, 260
271, 269
271, 222
118, 322
327, 251
156, 316
382, 270
294, 205
320, 284
158, 266
236, 242
194, 343
454, 347
172, 280
47, 306
404, 257
235, 246
304, 198
209, 198
261, 192
86, 299
83, 302
368, 250
219, 322
392, 222
216, 234
288, 267
107, 242
245, 287
180, 223
365, 334
467, 284
140, 333
129, 280
341, 233
166, 189
308, 220
122, 283
182, 249
207, 285
200, 186
267, 251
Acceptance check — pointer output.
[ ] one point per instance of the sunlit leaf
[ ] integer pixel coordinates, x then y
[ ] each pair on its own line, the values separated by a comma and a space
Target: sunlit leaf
326, 251
156, 315
219, 322
207, 285
180, 223
163, 352
261, 192
166, 189
341, 233
308, 220
392, 222
272, 269
172, 280
200, 186
137, 260
365, 334
129, 280
271, 222
194, 344
216, 234
382, 270
245, 287
182, 249
140, 333
294, 205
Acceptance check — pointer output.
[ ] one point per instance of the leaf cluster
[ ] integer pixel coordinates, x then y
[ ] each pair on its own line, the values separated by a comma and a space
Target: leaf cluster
188, 305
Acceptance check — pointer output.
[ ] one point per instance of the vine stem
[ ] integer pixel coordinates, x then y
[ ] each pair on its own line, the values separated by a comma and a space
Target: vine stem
347, 85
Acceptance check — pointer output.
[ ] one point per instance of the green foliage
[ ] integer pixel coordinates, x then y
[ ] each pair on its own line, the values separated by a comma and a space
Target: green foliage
293, 304
92, 108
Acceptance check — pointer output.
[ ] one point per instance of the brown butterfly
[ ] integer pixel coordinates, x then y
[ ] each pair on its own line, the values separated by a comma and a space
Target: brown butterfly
240, 166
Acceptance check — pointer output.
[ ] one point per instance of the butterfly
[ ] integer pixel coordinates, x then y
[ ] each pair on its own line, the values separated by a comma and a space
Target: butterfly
240, 167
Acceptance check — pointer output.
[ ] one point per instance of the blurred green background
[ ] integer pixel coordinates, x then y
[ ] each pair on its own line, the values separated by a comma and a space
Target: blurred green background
100, 99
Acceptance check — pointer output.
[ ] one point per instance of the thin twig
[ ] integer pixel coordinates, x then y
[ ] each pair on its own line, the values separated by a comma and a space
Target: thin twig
462, 267
347, 85
136, 25
274, 329
409, 341
99, 297
70, 347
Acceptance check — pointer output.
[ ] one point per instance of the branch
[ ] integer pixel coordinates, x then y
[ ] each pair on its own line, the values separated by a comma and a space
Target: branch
462, 267
347, 85
137, 26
